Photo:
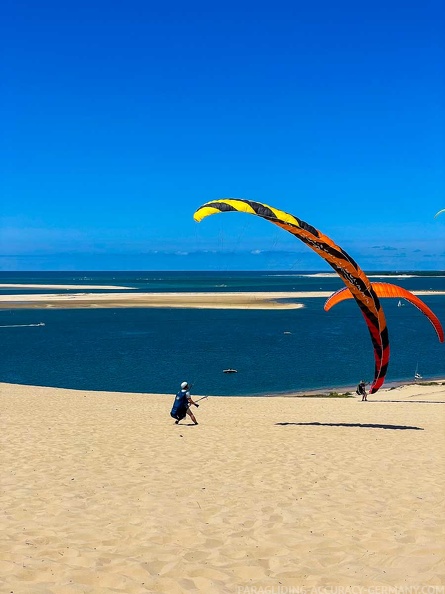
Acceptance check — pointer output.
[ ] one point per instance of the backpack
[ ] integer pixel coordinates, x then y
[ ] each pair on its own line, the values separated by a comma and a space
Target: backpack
180, 406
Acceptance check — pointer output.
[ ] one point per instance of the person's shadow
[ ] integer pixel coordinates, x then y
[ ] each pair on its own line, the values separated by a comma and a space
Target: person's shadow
363, 425
186, 424
410, 401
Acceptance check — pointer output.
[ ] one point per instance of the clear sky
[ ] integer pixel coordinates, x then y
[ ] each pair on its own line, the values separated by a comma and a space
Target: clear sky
120, 118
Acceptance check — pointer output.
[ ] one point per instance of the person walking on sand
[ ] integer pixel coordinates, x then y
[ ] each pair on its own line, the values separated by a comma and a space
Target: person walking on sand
183, 402
361, 390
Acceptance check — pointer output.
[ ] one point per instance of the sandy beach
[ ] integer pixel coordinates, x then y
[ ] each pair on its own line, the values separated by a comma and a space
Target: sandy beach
102, 492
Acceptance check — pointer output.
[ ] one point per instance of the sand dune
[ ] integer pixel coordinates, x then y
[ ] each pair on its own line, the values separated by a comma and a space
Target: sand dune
102, 492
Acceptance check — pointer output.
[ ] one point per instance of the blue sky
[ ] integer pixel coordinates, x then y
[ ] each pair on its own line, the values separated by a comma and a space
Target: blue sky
121, 118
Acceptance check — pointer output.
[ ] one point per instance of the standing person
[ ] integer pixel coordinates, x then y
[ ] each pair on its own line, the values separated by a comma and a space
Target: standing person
182, 404
361, 390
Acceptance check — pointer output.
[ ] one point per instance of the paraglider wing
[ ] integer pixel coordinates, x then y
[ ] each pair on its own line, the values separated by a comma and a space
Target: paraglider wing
352, 275
389, 290
440, 212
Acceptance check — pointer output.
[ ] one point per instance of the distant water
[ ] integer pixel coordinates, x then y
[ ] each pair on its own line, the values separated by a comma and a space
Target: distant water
153, 350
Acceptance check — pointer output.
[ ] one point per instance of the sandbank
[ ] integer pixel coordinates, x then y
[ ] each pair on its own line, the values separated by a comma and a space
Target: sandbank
264, 300
102, 492
205, 300
68, 287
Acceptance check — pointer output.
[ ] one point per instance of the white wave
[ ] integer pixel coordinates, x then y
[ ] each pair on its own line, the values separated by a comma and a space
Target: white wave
22, 325
323, 275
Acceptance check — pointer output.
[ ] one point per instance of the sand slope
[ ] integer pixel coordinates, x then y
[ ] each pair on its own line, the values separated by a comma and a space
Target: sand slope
102, 492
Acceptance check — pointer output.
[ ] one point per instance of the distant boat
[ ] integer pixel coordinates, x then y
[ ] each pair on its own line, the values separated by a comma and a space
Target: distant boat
287, 332
230, 371
400, 304
417, 375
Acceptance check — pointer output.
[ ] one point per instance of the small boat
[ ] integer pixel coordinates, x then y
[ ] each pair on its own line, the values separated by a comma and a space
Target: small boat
287, 332
417, 375
400, 304
230, 371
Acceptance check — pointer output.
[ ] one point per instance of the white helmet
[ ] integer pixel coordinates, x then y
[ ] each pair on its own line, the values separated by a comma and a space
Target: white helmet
184, 385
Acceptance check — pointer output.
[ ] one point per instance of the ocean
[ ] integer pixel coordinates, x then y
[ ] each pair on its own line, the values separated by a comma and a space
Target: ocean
274, 351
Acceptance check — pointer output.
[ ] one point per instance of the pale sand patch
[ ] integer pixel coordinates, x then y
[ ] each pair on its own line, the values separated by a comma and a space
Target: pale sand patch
102, 492
258, 300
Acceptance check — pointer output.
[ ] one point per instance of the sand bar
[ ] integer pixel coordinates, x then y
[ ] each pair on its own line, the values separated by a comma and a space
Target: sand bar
222, 300
30, 286
187, 300
102, 492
